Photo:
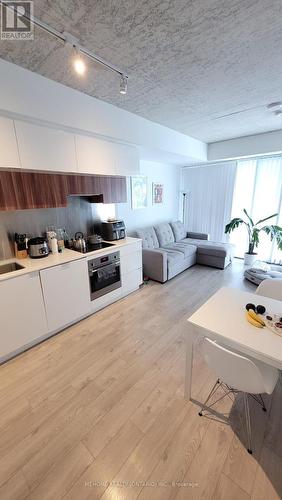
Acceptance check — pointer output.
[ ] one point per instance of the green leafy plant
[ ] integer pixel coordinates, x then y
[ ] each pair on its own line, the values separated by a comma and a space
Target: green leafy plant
254, 229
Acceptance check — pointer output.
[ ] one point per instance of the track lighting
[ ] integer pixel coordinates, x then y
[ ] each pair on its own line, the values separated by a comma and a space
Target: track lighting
123, 84
78, 63
68, 39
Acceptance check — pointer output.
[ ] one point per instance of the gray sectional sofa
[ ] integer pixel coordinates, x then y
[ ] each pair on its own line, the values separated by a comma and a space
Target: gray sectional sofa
168, 250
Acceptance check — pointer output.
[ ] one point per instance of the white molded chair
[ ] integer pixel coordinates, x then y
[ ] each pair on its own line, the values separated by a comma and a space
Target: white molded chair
270, 288
238, 373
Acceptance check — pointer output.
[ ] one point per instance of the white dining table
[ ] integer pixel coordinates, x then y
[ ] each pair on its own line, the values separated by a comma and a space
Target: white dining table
223, 318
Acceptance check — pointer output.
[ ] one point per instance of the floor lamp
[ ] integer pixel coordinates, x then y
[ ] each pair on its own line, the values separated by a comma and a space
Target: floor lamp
184, 198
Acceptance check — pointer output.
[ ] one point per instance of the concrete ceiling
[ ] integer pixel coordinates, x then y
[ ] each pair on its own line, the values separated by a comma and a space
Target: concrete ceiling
189, 61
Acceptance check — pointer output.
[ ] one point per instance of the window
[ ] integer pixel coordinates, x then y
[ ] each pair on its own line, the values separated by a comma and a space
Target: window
258, 189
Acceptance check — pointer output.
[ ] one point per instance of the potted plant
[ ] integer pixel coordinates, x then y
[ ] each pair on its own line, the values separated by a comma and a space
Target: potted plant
254, 229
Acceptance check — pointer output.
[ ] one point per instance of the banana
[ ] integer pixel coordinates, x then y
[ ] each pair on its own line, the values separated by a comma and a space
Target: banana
253, 322
256, 317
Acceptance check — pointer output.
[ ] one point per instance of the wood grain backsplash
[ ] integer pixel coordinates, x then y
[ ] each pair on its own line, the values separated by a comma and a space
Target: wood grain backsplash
79, 215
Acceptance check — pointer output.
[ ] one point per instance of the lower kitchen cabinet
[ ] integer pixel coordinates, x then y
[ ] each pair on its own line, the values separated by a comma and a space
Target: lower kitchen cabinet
131, 267
106, 300
66, 293
131, 281
36, 305
22, 313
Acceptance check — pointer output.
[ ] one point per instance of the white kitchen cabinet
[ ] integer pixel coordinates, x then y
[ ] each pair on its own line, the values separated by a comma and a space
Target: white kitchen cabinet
95, 156
66, 293
9, 155
132, 261
44, 148
127, 160
22, 313
106, 300
131, 267
131, 281
131, 248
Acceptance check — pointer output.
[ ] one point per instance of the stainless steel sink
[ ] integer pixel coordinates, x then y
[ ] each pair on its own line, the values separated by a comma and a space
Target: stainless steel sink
10, 267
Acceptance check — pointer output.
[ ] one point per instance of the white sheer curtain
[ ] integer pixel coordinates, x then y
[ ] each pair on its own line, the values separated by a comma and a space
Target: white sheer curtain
258, 189
209, 198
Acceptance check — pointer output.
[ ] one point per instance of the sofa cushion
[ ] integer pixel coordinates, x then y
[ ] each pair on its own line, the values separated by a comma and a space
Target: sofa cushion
187, 250
149, 237
179, 230
214, 250
164, 234
173, 257
211, 247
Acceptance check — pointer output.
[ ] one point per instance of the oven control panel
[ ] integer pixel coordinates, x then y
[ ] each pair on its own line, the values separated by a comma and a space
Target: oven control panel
105, 260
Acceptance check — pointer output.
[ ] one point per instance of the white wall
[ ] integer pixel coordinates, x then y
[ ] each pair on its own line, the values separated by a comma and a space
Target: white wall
169, 175
252, 145
32, 96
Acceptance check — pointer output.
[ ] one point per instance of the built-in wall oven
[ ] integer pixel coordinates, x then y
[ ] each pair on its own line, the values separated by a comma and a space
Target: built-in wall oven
104, 274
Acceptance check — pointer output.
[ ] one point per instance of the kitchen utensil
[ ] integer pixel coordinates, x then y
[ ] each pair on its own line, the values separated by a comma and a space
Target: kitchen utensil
20, 246
37, 248
79, 242
113, 230
95, 239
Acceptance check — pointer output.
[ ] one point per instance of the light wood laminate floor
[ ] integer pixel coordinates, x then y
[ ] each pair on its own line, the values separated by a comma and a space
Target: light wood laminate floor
98, 410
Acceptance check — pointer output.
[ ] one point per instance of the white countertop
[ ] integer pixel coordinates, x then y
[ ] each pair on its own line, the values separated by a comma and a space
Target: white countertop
33, 265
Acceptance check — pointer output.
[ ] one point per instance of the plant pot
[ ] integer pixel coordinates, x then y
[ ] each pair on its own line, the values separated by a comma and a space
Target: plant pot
249, 258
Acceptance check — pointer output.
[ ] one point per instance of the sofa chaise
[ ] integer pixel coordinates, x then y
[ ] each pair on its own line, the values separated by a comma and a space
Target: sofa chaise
168, 250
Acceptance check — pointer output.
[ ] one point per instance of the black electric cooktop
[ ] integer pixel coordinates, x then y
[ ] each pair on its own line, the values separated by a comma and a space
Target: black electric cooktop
91, 247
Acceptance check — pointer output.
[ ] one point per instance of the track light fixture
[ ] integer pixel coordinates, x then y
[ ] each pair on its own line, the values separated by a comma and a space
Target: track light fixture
123, 85
78, 63
67, 38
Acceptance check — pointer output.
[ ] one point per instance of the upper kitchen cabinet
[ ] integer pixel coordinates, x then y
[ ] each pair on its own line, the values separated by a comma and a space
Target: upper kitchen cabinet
9, 156
127, 160
44, 148
95, 156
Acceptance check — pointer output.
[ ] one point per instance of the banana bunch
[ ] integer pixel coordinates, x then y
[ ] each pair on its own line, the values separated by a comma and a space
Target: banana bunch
254, 319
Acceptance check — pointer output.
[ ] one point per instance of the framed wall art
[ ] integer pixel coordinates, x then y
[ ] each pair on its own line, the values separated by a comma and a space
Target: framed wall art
139, 192
157, 192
